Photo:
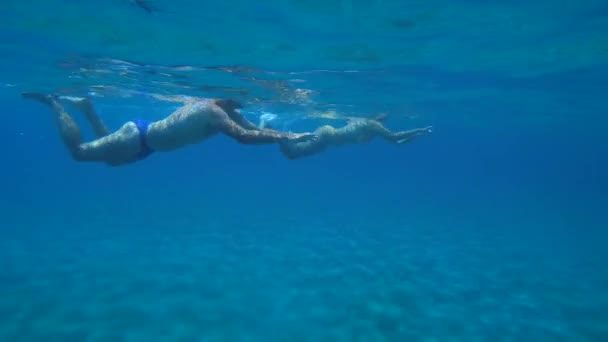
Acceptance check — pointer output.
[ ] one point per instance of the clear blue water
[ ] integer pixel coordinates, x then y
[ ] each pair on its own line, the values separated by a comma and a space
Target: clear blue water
493, 228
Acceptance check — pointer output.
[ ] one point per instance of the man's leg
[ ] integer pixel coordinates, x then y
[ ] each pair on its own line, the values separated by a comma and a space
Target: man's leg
86, 106
121, 147
68, 129
117, 148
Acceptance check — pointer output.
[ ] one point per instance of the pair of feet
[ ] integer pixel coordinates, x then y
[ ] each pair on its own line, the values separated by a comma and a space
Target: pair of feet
81, 103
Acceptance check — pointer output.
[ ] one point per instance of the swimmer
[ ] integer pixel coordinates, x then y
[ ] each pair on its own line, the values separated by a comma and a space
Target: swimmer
194, 122
357, 130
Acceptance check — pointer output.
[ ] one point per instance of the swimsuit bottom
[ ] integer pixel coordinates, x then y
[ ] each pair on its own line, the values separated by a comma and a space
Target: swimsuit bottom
142, 127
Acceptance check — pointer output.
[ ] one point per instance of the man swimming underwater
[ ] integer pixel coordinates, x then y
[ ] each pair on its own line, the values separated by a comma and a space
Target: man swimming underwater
195, 121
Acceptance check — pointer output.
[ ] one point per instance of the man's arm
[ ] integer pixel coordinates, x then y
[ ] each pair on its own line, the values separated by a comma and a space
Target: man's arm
263, 136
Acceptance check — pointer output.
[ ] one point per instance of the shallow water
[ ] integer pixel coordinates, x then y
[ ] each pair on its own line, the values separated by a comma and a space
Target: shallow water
493, 228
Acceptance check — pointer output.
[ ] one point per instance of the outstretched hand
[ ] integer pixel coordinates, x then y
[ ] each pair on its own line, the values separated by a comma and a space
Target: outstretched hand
428, 129
407, 136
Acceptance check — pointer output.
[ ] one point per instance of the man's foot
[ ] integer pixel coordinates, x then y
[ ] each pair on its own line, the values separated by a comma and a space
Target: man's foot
83, 104
40, 97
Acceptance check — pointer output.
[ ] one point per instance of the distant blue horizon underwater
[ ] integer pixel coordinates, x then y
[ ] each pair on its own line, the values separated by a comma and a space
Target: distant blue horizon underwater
491, 228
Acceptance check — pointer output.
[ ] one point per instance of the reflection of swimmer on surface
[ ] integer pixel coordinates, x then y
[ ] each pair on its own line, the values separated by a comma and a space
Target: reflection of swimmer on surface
145, 5
357, 130
266, 119
193, 122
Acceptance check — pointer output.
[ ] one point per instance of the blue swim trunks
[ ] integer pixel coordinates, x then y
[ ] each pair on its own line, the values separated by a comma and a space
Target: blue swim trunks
142, 127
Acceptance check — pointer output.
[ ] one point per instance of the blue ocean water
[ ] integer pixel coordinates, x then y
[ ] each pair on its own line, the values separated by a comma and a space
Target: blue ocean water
492, 228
